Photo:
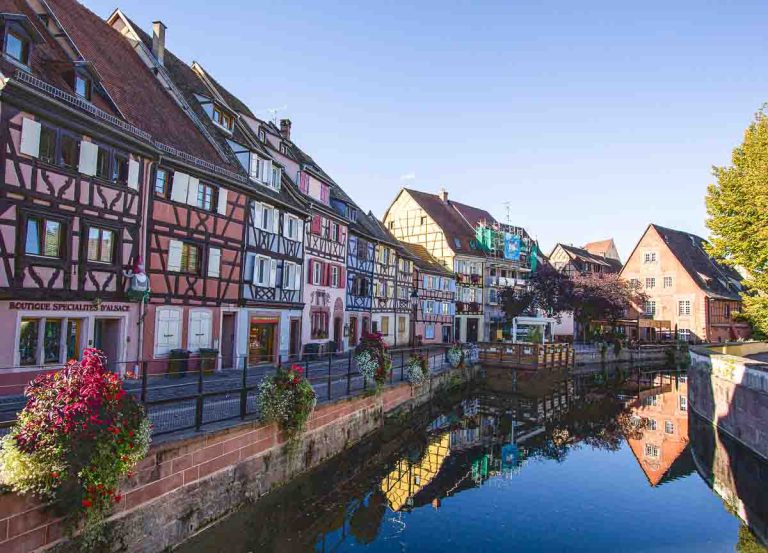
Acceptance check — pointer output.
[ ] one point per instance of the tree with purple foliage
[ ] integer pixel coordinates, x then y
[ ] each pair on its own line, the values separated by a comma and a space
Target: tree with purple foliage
602, 297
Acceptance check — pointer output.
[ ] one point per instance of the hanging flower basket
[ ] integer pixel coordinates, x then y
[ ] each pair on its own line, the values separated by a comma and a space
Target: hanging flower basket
455, 356
373, 359
78, 435
417, 370
287, 399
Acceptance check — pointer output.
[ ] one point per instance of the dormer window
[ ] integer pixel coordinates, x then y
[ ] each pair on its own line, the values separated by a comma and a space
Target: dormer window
223, 119
262, 135
17, 46
284, 148
83, 86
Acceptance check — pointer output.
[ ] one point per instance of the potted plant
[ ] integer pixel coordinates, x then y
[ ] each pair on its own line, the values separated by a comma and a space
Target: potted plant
417, 369
373, 359
455, 356
287, 399
75, 439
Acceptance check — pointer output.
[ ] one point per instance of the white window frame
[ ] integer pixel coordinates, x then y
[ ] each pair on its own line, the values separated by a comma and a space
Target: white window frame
667, 282
335, 276
650, 282
317, 273
652, 305
649, 257
256, 265
683, 308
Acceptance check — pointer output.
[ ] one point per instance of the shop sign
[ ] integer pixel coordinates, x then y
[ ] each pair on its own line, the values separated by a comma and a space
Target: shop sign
51, 306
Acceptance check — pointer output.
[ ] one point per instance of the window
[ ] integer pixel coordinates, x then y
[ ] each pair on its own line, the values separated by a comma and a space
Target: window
101, 245
190, 258
262, 271
650, 401
168, 330
222, 118
650, 257
669, 427
423, 220
283, 149
200, 324
319, 322
262, 135
650, 282
650, 308
335, 232
206, 197
684, 307
103, 163
70, 151
429, 332
651, 424
668, 282
28, 336
163, 179
401, 325
385, 326
651, 450
43, 237
684, 334
634, 282
17, 47
360, 286
119, 169
335, 276
47, 145
683, 401
291, 276
82, 86
291, 227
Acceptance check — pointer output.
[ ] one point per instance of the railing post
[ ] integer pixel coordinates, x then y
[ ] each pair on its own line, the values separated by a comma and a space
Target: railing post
144, 381
200, 401
244, 390
349, 374
402, 364
329, 375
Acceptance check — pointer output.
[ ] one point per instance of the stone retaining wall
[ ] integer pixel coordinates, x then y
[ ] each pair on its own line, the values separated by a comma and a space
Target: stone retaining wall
643, 355
731, 392
186, 483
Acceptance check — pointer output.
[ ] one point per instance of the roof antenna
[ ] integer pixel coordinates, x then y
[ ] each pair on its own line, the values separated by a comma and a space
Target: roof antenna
508, 206
273, 113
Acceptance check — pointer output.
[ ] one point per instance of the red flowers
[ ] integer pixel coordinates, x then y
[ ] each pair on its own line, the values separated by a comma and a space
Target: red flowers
87, 503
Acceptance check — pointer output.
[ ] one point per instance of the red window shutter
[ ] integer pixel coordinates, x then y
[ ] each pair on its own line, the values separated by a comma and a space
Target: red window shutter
342, 281
316, 224
323, 273
324, 194
310, 272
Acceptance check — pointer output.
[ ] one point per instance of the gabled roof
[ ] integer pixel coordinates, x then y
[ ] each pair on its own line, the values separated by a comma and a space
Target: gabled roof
714, 279
130, 83
458, 233
584, 256
473, 215
601, 247
425, 261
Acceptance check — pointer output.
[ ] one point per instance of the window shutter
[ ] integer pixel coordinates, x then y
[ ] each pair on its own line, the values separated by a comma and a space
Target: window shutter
194, 185
297, 278
257, 214
325, 273
425, 282
133, 174
254, 170
275, 221
266, 171
256, 263
310, 270
342, 234
299, 230
30, 137
214, 262
316, 224
174, 255
272, 273
221, 204
286, 220
179, 187
89, 152
279, 177
342, 282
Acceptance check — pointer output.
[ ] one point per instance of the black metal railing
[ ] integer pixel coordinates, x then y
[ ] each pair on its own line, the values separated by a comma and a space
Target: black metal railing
188, 394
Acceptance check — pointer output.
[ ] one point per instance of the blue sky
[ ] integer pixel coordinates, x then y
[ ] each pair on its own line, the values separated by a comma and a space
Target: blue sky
592, 119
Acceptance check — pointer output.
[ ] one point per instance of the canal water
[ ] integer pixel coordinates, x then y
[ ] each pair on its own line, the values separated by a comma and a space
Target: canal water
603, 461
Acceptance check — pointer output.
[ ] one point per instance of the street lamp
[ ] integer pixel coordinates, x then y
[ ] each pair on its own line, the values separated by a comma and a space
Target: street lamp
414, 309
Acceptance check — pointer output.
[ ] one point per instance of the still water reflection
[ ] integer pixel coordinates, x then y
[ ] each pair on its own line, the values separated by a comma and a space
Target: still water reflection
524, 461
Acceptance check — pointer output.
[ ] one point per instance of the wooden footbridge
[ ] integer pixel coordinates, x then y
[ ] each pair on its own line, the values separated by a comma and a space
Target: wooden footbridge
525, 356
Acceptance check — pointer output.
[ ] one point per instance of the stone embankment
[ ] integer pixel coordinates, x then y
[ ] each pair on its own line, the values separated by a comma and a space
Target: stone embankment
188, 482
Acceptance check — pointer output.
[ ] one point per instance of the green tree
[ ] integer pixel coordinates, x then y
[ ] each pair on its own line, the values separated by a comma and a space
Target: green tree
737, 206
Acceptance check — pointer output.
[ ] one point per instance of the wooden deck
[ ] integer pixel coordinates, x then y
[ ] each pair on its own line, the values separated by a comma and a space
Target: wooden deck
526, 356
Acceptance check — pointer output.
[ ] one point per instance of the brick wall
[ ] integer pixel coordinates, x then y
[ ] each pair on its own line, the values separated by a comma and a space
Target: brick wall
202, 477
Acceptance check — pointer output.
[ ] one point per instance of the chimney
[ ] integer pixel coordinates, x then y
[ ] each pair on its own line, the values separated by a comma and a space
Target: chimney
158, 41
443, 194
285, 128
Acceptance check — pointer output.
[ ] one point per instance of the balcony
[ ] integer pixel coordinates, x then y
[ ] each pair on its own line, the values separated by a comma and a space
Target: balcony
469, 279
468, 308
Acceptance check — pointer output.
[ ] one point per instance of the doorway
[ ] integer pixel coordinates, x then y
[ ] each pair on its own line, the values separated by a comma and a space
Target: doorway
457, 330
472, 330
106, 337
353, 331
338, 337
228, 341
261, 341
295, 339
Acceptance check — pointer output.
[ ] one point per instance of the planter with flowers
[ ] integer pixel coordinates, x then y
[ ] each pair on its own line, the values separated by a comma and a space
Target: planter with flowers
455, 356
78, 435
373, 359
287, 399
417, 370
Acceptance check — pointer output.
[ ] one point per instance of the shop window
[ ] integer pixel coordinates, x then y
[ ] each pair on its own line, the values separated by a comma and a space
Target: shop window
28, 338
74, 327
52, 341
43, 237
101, 245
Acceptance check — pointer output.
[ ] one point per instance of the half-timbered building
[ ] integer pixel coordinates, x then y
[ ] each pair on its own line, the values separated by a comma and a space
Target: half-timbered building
265, 324
435, 287
74, 168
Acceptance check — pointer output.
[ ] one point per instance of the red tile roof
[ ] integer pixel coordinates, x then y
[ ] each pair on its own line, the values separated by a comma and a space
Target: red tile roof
133, 87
